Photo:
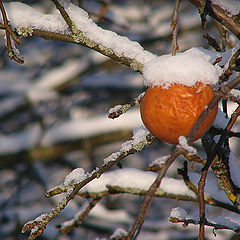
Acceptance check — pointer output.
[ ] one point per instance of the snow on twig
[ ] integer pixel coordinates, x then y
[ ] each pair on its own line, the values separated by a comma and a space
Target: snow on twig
140, 140
179, 215
74, 25
118, 110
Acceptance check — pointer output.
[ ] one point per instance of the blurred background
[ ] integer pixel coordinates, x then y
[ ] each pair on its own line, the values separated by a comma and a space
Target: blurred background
46, 134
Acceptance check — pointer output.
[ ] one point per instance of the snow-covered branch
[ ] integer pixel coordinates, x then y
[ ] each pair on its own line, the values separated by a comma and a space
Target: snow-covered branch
118, 110
179, 215
77, 179
29, 22
225, 14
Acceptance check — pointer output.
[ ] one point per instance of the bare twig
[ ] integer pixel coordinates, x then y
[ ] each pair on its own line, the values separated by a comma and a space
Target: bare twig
202, 181
104, 9
223, 35
212, 42
39, 224
232, 98
184, 172
231, 66
219, 131
10, 33
224, 90
208, 199
77, 221
219, 59
67, 18
174, 26
215, 11
150, 194
223, 137
48, 35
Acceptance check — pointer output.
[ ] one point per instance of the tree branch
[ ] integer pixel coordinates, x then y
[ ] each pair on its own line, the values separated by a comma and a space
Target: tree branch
213, 10
39, 224
150, 194
213, 224
10, 33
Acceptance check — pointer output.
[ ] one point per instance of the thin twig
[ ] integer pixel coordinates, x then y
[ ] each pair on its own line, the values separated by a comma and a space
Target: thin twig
66, 17
224, 90
212, 42
219, 131
215, 225
223, 137
9, 32
223, 34
174, 26
120, 109
231, 66
120, 58
150, 194
77, 221
218, 13
39, 224
205, 169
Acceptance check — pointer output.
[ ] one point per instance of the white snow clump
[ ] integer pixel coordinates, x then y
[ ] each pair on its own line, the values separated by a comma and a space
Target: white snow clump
187, 68
179, 213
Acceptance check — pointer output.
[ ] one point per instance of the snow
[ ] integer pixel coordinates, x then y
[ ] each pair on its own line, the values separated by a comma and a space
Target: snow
119, 233
76, 176
231, 6
70, 130
114, 109
227, 221
100, 212
179, 213
111, 158
12, 143
235, 93
139, 135
83, 127
183, 143
187, 68
135, 178
226, 56
44, 87
159, 161
20, 15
